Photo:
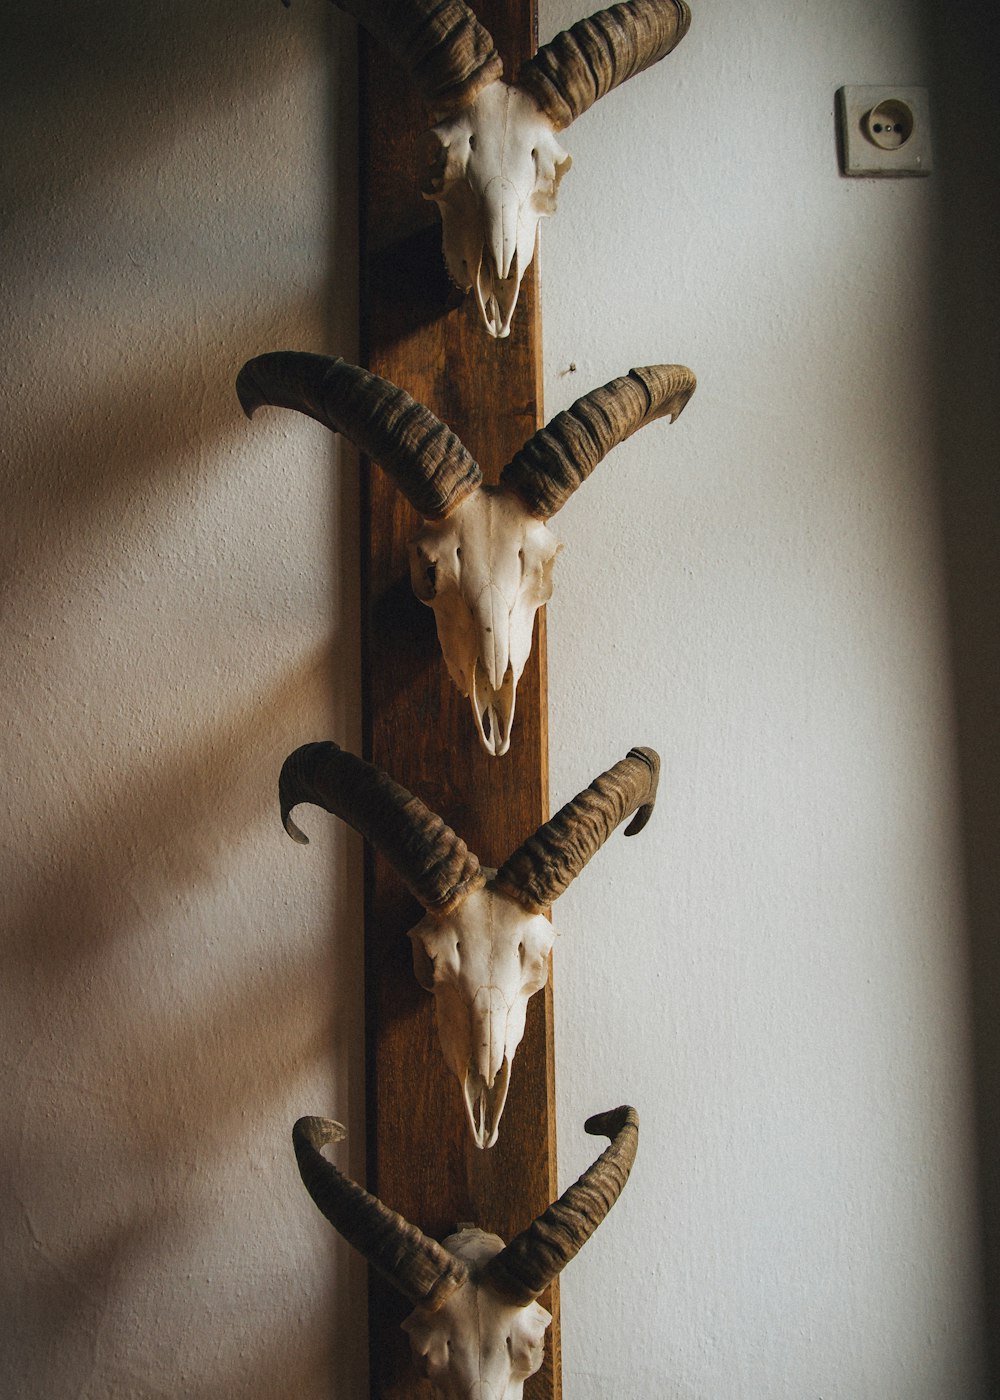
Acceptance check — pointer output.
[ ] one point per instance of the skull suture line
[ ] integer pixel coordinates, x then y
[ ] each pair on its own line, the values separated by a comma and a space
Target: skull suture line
495, 163
482, 949
484, 558
477, 1331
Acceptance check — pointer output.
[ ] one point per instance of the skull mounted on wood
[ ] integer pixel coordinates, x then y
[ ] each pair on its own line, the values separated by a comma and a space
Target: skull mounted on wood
483, 560
482, 948
477, 1331
495, 161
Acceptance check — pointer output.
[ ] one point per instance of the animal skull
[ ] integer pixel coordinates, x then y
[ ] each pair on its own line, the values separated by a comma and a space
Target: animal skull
482, 962
477, 1344
485, 570
477, 1331
495, 162
494, 173
482, 949
484, 557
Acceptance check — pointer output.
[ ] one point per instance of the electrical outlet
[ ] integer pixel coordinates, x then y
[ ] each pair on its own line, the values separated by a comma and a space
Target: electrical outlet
884, 131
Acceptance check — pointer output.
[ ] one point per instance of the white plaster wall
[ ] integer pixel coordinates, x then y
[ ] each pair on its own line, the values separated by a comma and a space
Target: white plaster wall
773, 972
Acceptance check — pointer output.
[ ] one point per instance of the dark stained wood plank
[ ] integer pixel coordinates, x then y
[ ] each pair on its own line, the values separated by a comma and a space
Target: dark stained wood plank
418, 333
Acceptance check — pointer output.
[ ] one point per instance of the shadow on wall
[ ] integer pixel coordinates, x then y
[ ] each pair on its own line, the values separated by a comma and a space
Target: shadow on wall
179, 991
967, 126
153, 1051
161, 833
76, 70
99, 461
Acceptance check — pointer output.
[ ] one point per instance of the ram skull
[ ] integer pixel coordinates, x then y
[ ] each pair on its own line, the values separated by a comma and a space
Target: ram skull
477, 1331
484, 558
482, 948
495, 162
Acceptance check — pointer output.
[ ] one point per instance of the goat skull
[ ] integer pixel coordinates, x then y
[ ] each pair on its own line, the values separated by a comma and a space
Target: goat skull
494, 174
485, 555
477, 1345
496, 162
482, 949
482, 962
485, 570
477, 1331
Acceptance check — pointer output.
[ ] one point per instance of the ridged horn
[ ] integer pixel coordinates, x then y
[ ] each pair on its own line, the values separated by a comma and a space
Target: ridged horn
543, 866
530, 1262
435, 864
559, 457
424, 458
423, 1270
447, 52
584, 63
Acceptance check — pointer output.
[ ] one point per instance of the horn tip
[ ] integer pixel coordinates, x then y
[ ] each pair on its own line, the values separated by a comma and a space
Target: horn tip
610, 1123
637, 823
680, 400
290, 793
652, 761
676, 382
247, 391
295, 832
318, 1131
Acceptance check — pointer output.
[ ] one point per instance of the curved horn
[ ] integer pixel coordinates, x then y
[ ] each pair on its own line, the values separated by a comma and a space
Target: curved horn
531, 1261
435, 864
544, 865
584, 63
448, 53
559, 457
424, 458
423, 1270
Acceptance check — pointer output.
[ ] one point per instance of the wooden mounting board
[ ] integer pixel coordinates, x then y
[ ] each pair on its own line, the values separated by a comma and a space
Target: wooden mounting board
418, 333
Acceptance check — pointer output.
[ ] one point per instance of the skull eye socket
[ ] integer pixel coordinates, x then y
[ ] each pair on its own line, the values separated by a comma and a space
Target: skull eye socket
437, 165
545, 586
423, 574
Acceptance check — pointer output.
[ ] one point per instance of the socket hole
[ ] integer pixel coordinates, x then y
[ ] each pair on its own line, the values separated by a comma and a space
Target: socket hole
889, 125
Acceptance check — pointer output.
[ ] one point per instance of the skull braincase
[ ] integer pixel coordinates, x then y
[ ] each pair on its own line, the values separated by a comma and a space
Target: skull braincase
494, 173
482, 963
477, 1346
485, 569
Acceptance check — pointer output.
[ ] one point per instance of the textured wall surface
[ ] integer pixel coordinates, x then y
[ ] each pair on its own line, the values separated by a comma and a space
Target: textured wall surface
179, 611
775, 972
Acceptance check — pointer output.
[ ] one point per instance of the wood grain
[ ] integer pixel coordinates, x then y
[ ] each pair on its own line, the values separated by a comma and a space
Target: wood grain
417, 332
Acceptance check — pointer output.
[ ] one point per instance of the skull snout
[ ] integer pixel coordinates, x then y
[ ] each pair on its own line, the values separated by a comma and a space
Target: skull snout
493, 709
498, 279
482, 1390
488, 1074
493, 681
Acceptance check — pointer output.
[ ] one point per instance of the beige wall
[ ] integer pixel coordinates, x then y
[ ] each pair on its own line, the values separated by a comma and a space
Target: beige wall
776, 972
180, 610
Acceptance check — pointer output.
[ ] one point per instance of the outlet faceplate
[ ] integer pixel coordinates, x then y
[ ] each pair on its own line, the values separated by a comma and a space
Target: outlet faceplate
884, 131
